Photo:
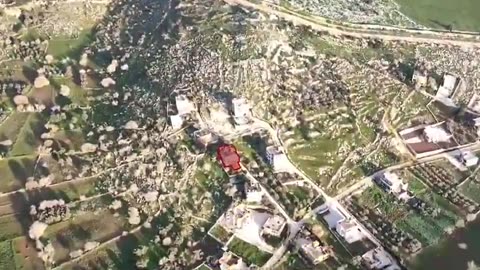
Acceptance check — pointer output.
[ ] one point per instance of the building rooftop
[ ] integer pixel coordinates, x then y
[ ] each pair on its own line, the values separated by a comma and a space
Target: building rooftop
435, 134
449, 81
378, 258
350, 231
183, 105
278, 159
274, 225
176, 121
240, 107
313, 250
274, 150
229, 157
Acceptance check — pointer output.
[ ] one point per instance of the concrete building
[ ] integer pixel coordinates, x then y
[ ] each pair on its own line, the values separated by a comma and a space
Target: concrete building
448, 87
426, 140
277, 159
468, 158
350, 231
315, 252
176, 121
392, 183
204, 137
254, 196
231, 262
241, 111
274, 225
184, 106
436, 134
378, 258
420, 78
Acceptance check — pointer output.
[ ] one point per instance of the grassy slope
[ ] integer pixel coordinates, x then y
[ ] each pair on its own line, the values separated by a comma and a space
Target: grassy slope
461, 14
28, 137
250, 253
61, 47
6, 256
15, 171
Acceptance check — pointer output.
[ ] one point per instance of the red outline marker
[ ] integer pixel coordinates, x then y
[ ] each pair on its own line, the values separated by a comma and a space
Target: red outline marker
228, 155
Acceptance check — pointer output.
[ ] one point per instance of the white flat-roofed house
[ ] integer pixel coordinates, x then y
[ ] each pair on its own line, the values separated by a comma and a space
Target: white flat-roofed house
277, 158
468, 158
254, 196
241, 111
176, 121
274, 225
420, 79
436, 134
183, 104
449, 81
393, 182
379, 259
313, 250
349, 231
447, 88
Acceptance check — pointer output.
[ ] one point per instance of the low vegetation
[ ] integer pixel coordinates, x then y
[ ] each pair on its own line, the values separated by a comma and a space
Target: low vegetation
249, 253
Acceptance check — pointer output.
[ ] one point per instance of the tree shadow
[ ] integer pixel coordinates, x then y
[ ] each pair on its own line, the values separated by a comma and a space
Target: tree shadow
30, 73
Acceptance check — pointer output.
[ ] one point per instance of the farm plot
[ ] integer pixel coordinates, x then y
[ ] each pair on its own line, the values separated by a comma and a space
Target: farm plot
413, 111
406, 226
443, 14
444, 181
28, 138
71, 235
251, 254
25, 254
220, 234
15, 171
6, 255
471, 189
11, 126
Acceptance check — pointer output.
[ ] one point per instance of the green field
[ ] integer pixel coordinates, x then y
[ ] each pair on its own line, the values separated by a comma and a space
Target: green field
15, 171
61, 47
251, 254
460, 14
6, 255
28, 138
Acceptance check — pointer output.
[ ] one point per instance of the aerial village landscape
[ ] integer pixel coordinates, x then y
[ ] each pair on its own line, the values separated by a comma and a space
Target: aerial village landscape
237, 135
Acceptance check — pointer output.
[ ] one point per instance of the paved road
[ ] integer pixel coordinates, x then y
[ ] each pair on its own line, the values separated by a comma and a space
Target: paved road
388, 34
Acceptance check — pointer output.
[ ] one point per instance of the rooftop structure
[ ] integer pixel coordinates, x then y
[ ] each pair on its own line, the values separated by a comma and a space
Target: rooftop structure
349, 231
204, 137
241, 111
448, 86
176, 121
229, 262
277, 159
425, 140
229, 157
184, 106
420, 79
313, 250
392, 182
378, 258
254, 196
449, 81
240, 107
274, 225
468, 158
436, 134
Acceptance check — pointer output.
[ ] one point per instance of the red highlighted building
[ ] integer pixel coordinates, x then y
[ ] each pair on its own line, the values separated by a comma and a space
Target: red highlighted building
227, 154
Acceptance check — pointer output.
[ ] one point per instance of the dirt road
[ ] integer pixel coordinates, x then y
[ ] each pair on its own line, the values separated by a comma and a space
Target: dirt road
388, 34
